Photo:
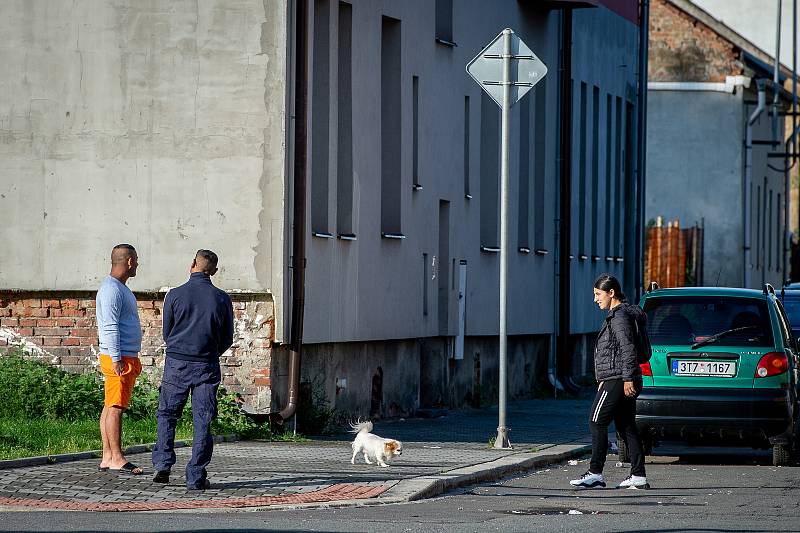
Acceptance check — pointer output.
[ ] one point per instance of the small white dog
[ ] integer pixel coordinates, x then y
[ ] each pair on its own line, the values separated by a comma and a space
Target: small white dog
372, 445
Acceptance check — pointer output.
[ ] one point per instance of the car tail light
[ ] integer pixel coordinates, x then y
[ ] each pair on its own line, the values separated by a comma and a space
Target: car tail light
646, 370
772, 364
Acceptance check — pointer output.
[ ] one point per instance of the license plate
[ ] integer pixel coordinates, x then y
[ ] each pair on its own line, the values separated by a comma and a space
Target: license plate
723, 369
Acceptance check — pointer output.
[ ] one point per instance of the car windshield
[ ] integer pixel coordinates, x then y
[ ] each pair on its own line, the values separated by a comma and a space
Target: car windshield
691, 319
791, 303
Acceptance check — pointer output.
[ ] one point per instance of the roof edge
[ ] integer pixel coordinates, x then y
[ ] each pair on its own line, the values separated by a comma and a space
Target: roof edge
726, 32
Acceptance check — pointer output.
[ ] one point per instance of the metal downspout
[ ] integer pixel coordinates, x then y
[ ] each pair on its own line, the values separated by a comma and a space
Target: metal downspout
644, 33
748, 171
775, 124
558, 370
793, 139
776, 74
299, 212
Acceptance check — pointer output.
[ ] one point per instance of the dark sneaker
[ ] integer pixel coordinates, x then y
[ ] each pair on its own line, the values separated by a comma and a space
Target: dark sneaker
589, 481
162, 476
204, 485
634, 482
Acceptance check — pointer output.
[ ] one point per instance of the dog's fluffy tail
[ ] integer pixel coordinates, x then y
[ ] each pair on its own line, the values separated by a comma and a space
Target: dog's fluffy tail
361, 427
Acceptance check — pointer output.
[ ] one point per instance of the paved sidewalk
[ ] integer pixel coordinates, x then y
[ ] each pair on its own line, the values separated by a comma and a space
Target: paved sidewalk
438, 454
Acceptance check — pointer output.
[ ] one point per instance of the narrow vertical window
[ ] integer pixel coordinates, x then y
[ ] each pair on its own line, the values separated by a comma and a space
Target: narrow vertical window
758, 231
778, 235
444, 22
628, 169
320, 120
391, 198
441, 271
753, 223
770, 242
523, 197
582, 177
467, 193
424, 284
764, 223
415, 131
595, 172
540, 159
609, 183
490, 159
344, 157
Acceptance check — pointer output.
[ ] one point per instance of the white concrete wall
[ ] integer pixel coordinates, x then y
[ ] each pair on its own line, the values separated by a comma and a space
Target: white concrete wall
160, 123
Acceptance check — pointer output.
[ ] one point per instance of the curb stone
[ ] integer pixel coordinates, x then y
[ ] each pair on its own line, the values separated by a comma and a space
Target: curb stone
429, 486
23, 462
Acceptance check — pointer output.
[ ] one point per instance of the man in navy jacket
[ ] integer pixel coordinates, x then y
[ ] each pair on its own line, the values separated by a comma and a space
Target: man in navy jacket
198, 328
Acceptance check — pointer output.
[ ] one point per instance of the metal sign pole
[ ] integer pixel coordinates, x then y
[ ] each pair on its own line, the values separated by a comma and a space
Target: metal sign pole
519, 69
502, 430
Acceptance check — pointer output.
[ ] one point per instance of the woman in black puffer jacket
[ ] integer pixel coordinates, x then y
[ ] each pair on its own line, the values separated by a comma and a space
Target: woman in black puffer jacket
617, 370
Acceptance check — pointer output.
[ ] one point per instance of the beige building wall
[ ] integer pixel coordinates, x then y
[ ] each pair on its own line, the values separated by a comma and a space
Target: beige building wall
161, 123
158, 123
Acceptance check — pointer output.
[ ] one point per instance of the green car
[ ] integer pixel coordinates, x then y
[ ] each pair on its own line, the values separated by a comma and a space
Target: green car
724, 370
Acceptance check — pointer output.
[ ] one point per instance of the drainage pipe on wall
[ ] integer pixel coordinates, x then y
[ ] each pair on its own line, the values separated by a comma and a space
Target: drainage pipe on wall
299, 212
776, 76
793, 151
559, 361
644, 32
775, 124
748, 171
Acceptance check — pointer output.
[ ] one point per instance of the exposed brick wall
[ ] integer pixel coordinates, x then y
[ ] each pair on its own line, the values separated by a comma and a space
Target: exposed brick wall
60, 329
683, 49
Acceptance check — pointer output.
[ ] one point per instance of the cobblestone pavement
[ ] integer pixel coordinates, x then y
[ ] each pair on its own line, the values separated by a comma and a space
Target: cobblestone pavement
256, 474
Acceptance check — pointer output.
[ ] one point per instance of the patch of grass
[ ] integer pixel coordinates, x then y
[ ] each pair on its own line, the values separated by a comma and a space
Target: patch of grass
46, 411
27, 438
32, 389
492, 440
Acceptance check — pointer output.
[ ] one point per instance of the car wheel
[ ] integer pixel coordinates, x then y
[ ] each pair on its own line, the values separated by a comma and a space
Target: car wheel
622, 450
781, 455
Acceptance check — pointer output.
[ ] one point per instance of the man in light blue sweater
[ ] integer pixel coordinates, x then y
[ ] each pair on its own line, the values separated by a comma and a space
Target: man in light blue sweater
120, 339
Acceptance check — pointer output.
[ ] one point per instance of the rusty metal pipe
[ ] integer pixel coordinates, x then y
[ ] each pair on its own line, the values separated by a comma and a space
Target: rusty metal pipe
299, 213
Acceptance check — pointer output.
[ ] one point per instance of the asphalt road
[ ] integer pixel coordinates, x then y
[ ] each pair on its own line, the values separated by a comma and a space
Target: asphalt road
716, 491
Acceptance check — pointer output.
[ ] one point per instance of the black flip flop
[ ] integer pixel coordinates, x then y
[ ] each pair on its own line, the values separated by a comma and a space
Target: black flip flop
128, 468
102, 468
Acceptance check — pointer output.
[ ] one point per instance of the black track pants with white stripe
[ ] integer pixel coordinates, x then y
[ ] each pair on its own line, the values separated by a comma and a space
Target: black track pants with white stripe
611, 404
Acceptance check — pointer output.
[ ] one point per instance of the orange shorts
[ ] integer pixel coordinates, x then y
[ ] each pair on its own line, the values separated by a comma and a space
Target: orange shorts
119, 388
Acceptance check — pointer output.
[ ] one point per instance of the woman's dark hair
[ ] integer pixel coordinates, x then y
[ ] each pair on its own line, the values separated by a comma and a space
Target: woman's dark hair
607, 282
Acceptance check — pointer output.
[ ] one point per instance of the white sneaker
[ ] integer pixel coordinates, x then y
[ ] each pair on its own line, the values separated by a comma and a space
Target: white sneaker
634, 482
589, 481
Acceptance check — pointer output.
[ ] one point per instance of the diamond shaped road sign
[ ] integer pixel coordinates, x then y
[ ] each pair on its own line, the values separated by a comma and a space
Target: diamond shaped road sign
487, 69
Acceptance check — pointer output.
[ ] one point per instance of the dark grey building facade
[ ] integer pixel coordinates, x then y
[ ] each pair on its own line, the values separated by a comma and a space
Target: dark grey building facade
402, 228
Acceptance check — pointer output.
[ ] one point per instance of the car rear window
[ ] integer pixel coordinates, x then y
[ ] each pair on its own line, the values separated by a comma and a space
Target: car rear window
690, 319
